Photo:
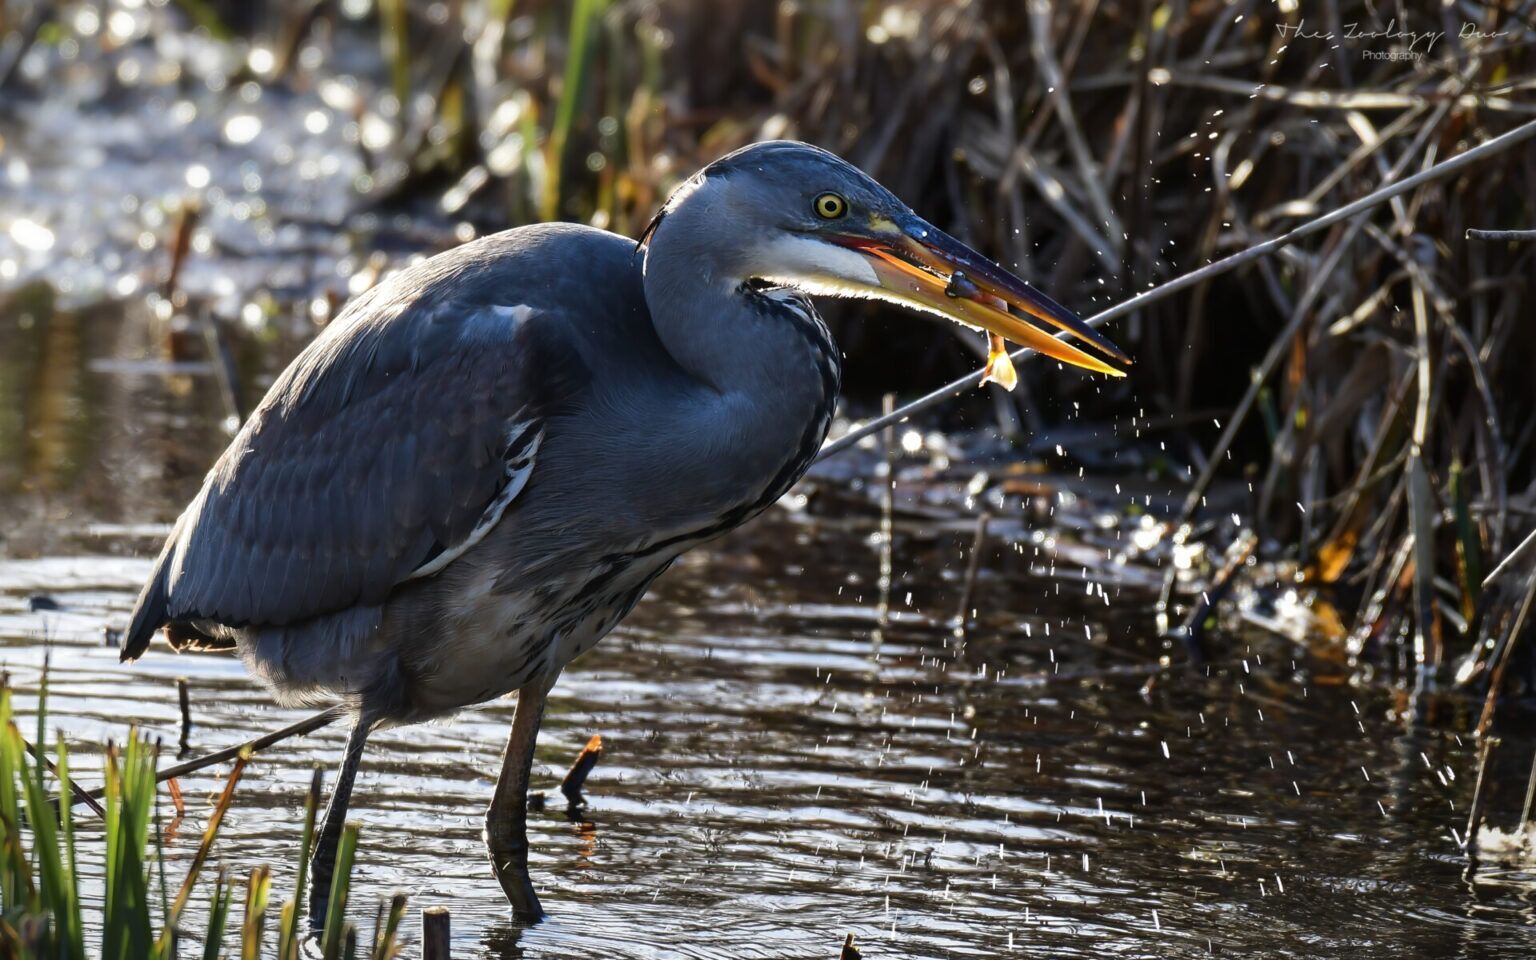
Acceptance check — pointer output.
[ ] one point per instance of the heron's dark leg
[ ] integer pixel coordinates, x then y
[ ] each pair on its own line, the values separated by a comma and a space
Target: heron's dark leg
506, 822
322, 862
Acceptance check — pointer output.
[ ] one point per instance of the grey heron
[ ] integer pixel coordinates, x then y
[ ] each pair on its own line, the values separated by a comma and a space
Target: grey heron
480, 466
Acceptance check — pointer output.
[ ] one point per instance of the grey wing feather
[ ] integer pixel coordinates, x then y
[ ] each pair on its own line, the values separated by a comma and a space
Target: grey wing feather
379, 449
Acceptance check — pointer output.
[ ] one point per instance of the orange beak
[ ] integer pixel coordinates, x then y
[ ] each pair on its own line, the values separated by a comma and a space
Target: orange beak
922, 266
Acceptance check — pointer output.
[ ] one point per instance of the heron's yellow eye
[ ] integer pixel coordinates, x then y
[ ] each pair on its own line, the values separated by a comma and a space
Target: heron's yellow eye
830, 206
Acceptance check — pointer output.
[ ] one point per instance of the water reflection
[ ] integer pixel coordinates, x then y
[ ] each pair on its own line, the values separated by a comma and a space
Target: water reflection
769, 782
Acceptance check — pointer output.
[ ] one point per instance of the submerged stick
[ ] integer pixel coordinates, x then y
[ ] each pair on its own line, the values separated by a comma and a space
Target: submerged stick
850, 952
1530, 796
1479, 796
74, 788
184, 697
1502, 659
577, 777
434, 933
886, 473
972, 570
1439, 171
307, 725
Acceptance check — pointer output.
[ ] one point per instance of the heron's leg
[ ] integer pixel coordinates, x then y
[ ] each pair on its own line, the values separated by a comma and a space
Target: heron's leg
322, 862
506, 822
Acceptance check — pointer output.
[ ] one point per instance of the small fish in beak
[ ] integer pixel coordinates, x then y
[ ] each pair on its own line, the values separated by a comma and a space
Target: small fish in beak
999, 369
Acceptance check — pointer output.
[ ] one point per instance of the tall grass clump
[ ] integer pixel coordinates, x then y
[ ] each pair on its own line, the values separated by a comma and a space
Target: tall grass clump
42, 888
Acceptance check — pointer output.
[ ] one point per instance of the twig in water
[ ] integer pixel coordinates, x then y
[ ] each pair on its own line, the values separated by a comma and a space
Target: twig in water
850, 952
887, 529
336, 940
1501, 663
972, 569
307, 725
434, 933
1479, 796
184, 697
1530, 796
74, 788
289, 942
178, 803
585, 761
1427, 648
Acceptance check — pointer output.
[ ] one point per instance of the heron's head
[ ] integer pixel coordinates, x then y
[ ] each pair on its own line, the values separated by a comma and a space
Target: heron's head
791, 214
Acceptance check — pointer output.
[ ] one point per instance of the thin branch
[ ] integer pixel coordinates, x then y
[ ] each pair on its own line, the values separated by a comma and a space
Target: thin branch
1509, 561
307, 725
1501, 234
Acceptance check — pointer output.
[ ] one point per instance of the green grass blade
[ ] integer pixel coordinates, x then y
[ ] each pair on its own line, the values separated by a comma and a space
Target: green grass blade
257, 892
579, 46
15, 870
46, 856
54, 883
287, 930
39, 771
112, 914
288, 938
385, 941
332, 942
126, 933
75, 930
143, 813
218, 918
205, 16
165, 898
394, 28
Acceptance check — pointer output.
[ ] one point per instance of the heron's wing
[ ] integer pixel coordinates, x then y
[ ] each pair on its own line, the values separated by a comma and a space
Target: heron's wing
385, 450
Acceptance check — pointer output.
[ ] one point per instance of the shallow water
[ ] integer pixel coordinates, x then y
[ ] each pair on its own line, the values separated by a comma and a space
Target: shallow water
782, 767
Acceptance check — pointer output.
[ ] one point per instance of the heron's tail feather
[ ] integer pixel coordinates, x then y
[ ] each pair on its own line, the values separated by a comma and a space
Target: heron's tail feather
151, 611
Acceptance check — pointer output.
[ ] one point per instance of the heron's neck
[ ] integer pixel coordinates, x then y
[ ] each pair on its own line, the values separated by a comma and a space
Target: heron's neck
709, 318
770, 369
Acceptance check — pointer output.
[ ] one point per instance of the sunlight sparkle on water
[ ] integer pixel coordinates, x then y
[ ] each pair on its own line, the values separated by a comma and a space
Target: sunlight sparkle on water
242, 128
31, 235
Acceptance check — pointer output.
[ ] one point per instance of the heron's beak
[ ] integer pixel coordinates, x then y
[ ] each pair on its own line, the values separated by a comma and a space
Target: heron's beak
924, 267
